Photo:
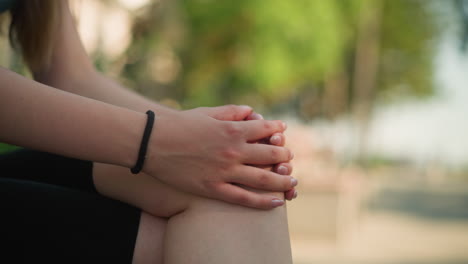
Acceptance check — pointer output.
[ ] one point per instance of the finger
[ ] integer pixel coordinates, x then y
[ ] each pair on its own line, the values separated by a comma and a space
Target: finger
265, 167
263, 141
258, 129
289, 195
263, 180
261, 154
277, 139
229, 112
237, 195
284, 168
254, 116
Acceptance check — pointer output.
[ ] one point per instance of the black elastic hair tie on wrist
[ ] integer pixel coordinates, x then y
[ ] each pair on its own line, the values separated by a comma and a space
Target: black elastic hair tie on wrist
144, 143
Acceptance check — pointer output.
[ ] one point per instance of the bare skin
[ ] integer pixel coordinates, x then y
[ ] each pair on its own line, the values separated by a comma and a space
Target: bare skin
184, 202
42, 112
183, 228
177, 222
69, 55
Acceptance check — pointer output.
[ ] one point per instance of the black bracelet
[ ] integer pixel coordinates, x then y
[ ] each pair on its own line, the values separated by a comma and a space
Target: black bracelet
144, 143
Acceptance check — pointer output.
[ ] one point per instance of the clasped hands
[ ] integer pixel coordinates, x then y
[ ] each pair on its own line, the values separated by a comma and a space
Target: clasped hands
215, 152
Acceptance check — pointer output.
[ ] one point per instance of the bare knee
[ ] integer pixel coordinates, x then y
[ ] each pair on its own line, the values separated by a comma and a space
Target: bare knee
150, 239
196, 203
230, 234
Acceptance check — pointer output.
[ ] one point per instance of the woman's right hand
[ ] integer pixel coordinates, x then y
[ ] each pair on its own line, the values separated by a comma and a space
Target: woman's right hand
207, 157
243, 113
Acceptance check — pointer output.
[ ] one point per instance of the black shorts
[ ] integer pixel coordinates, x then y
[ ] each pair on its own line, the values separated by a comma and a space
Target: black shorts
50, 212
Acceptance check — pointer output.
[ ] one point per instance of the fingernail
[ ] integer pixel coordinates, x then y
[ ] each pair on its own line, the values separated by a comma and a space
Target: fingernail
295, 195
276, 140
291, 156
257, 116
293, 182
284, 125
283, 170
277, 202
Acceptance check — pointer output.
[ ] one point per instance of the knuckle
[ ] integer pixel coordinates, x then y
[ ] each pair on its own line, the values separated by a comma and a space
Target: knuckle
243, 199
209, 186
233, 130
267, 125
274, 153
224, 168
230, 153
263, 180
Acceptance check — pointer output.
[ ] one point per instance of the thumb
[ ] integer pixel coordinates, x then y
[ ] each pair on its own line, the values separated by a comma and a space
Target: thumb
230, 112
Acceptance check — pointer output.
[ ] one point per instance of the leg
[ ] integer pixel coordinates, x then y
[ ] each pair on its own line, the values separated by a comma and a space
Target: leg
199, 230
266, 231
51, 210
149, 241
211, 231
157, 201
43, 223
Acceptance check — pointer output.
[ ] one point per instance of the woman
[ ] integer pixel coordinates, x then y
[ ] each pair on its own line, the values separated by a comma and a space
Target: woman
187, 188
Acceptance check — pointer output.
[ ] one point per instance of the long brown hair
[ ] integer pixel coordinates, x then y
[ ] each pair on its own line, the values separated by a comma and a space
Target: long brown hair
33, 26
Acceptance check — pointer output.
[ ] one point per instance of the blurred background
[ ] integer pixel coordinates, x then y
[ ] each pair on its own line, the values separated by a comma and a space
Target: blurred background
374, 93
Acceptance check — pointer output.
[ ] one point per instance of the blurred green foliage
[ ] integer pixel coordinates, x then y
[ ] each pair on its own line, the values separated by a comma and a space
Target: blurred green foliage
302, 54
6, 148
309, 58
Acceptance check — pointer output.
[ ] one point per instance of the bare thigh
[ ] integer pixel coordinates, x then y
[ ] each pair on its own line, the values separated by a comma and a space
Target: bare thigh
181, 228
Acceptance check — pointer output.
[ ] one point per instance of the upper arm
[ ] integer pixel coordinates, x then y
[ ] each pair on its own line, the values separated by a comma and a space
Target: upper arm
69, 58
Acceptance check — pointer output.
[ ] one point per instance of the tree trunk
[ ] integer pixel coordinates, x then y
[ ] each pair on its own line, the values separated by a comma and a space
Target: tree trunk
366, 66
336, 94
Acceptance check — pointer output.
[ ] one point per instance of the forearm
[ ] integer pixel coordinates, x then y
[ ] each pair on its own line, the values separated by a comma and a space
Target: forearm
36, 116
72, 70
95, 85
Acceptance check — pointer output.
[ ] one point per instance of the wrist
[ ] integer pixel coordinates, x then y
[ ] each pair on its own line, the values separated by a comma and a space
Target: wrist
130, 126
161, 135
144, 143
